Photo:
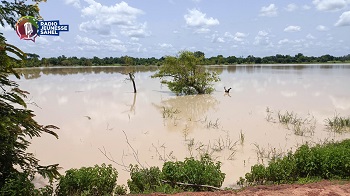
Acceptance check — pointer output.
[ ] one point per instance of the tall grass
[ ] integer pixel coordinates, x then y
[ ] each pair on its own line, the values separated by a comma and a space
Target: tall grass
338, 124
300, 126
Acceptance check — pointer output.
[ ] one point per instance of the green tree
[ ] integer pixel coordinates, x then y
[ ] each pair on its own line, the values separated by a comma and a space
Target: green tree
17, 126
186, 77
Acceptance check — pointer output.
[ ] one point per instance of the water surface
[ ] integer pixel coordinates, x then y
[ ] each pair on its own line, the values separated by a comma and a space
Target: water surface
97, 110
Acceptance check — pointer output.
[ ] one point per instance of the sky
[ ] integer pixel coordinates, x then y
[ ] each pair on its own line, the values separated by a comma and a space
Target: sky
157, 28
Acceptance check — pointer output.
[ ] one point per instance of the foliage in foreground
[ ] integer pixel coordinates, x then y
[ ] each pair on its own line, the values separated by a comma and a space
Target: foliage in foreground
327, 161
97, 180
17, 126
183, 75
177, 176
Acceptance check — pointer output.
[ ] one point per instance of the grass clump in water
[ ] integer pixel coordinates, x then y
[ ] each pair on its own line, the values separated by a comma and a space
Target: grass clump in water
338, 124
300, 126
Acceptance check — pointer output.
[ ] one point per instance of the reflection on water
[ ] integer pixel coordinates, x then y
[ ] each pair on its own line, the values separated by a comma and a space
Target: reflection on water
93, 106
185, 111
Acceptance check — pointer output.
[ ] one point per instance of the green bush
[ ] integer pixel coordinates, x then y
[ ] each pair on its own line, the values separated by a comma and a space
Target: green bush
327, 161
257, 174
190, 171
120, 190
144, 180
97, 180
282, 170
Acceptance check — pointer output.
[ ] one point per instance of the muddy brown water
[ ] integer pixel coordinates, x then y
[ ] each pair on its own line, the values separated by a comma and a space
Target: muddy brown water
95, 106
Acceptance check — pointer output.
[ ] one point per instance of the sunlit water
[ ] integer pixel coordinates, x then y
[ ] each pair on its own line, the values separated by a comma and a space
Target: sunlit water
97, 112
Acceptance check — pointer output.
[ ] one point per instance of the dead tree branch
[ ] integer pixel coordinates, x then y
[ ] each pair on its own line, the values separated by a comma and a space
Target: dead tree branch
193, 185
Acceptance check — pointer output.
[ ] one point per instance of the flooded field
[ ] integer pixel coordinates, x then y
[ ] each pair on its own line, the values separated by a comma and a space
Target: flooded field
100, 118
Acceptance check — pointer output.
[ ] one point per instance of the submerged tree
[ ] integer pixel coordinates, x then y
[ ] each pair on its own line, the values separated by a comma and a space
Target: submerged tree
17, 126
183, 75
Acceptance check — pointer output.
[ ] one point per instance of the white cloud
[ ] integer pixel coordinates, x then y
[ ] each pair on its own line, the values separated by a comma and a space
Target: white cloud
164, 45
196, 18
239, 37
283, 41
75, 3
228, 35
262, 39
86, 43
293, 43
291, 7
344, 19
137, 31
292, 28
322, 28
107, 19
215, 38
270, 10
221, 40
309, 36
263, 33
329, 5
239, 34
202, 30
85, 40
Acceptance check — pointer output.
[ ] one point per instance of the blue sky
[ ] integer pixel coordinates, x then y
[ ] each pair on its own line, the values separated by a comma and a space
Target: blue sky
155, 28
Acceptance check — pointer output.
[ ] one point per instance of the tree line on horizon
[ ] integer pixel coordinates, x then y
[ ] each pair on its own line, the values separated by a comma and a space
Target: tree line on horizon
34, 60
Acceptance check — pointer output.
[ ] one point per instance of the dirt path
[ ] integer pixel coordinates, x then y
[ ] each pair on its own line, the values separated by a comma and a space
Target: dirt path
323, 188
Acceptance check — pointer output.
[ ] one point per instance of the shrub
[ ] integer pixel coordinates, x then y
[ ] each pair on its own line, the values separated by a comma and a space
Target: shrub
191, 171
257, 174
144, 180
120, 190
327, 161
282, 170
97, 180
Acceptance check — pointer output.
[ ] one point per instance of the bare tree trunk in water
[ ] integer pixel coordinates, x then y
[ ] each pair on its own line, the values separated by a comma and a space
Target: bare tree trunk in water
132, 77
132, 108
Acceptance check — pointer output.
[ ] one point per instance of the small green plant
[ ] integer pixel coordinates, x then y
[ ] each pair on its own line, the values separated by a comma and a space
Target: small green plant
97, 180
241, 137
338, 124
169, 112
269, 114
300, 126
214, 125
